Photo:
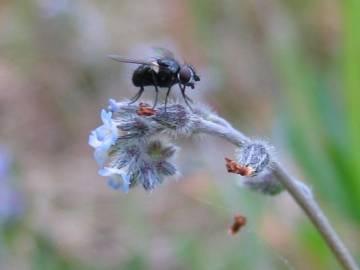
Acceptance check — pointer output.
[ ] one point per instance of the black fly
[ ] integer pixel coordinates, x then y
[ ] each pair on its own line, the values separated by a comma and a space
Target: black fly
163, 71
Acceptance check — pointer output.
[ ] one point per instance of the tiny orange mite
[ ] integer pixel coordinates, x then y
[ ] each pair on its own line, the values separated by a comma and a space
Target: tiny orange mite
239, 222
234, 167
145, 110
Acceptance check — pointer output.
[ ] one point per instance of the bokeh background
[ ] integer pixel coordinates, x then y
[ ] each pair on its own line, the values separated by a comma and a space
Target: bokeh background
287, 71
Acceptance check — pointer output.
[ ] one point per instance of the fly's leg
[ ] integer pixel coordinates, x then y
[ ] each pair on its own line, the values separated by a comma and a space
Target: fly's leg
167, 96
156, 96
156, 89
186, 98
137, 96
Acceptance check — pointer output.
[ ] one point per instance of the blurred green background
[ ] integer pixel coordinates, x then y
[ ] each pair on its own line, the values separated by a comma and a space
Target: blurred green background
287, 71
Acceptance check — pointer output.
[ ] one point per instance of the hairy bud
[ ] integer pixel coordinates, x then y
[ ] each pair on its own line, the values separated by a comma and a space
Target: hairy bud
265, 183
178, 120
254, 159
254, 155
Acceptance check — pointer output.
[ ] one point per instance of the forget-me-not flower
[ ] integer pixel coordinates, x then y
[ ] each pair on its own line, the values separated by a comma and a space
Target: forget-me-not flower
128, 149
103, 137
117, 178
11, 205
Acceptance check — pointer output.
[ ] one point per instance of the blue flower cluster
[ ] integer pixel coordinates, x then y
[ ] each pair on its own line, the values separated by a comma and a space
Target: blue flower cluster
128, 150
11, 205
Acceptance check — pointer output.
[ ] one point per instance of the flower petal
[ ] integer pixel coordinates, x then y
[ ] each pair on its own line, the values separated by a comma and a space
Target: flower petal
117, 179
106, 117
93, 140
113, 105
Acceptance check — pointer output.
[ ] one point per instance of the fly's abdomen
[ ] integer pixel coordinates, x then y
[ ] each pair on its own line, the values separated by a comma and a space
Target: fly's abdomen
145, 75
142, 76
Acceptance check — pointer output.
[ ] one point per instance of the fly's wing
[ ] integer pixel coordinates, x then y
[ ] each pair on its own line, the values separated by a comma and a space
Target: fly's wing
165, 58
118, 58
121, 59
161, 53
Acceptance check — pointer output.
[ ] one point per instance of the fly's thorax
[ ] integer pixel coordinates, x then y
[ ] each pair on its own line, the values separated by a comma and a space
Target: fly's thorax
165, 77
170, 64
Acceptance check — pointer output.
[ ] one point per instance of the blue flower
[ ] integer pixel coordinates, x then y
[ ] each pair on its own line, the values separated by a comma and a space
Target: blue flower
126, 149
117, 178
114, 106
11, 206
4, 164
103, 137
10, 203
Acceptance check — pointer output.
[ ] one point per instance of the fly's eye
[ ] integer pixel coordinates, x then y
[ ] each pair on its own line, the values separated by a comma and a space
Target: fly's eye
195, 76
185, 74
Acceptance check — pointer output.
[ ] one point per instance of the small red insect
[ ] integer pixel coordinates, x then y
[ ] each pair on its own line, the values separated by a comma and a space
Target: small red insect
233, 167
239, 222
145, 110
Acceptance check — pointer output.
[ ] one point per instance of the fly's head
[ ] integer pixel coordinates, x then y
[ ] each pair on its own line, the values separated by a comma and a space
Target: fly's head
187, 76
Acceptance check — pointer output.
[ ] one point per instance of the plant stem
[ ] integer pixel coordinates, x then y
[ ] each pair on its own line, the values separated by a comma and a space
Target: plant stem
300, 193
317, 217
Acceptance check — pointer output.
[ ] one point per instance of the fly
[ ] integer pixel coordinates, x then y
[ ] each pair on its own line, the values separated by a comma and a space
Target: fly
161, 72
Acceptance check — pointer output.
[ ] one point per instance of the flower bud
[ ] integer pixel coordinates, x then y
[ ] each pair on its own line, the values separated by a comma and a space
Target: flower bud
265, 183
177, 118
133, 128
254, 155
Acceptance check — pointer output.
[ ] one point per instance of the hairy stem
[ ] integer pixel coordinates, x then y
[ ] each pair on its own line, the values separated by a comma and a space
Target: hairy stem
226, 132
299, 191
317, 217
